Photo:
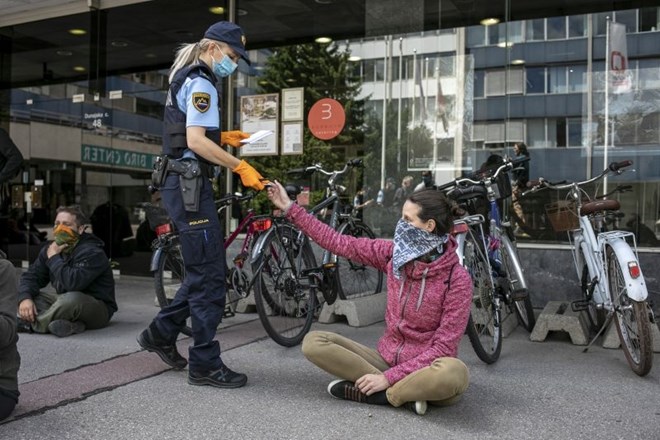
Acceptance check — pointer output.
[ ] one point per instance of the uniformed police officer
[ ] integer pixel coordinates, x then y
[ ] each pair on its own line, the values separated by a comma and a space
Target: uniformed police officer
191, 133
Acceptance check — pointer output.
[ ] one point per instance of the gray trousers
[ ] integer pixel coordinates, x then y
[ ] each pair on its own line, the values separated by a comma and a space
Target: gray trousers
71, 306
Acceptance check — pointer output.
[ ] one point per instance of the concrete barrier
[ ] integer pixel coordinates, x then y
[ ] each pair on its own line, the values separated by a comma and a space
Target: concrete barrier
558, 316
359, 312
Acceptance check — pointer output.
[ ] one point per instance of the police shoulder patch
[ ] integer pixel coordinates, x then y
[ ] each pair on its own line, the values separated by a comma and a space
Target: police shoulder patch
201, 101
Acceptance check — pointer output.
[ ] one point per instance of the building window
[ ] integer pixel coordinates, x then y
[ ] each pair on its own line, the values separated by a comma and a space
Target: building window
577, 82
495, 81
557, 79
577, 26
556, 28
629, 18
574, 128
536, 132
649, 19
476, 36
478, 83
534, 80
535, 30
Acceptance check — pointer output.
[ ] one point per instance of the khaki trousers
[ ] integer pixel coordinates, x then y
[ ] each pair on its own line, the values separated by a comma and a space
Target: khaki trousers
441, 383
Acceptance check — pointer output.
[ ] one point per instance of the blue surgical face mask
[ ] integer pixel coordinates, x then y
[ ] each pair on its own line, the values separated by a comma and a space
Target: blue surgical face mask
224, 67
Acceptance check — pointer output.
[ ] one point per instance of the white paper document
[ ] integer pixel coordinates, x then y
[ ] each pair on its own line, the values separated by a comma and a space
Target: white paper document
259, 135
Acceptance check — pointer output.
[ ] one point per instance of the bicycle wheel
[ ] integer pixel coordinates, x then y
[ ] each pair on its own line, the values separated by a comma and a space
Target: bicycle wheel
484, 328
516, 284
285, 299
355, 279
631, 319
169, 275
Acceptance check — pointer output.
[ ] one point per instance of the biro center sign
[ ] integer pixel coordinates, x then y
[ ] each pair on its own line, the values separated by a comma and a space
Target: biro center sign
113, 157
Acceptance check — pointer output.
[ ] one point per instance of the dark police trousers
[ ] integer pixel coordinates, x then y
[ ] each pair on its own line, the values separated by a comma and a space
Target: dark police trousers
202, 293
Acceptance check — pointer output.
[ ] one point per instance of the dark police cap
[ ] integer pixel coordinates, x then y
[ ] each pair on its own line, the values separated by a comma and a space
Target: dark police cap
231, 34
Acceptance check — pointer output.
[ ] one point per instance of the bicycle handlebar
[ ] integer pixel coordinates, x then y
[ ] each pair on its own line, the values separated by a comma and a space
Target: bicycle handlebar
319, 168
614, 167
508, 165
228, 199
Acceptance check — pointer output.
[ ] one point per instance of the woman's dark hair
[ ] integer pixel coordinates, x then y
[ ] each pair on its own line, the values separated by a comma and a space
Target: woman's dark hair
522, 148
435, 205
74, 210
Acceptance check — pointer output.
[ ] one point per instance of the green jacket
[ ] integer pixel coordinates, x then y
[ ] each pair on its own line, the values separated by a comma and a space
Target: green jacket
10, 360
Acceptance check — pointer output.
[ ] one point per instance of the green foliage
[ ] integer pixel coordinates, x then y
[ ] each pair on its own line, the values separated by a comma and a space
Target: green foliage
324, 72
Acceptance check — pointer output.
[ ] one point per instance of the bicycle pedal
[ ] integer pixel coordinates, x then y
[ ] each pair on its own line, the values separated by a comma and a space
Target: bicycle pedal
240, 258
519, 295
580, 305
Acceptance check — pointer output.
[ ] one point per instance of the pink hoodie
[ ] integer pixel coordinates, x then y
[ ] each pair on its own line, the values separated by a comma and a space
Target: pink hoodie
424, 319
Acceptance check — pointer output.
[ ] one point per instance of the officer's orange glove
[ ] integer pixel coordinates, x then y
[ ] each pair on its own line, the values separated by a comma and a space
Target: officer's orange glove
249, 176
233, 138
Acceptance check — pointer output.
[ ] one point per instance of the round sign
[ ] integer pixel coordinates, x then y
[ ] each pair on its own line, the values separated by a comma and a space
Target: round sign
326, 119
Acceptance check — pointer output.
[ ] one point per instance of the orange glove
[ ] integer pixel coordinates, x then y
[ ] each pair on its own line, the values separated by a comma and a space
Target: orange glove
233, 138
249, 176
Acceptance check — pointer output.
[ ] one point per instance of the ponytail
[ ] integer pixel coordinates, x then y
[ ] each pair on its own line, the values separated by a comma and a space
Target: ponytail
188, 54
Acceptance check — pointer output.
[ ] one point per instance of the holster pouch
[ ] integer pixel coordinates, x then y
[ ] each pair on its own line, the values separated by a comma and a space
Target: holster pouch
160, 171
190, 182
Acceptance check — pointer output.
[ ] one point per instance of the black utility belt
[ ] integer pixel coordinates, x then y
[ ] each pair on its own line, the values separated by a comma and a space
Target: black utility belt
191, 172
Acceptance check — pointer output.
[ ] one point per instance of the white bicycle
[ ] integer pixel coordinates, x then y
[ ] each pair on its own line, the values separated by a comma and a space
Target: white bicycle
613, 286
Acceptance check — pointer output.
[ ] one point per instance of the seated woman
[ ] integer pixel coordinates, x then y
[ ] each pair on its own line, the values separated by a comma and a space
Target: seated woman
428, 305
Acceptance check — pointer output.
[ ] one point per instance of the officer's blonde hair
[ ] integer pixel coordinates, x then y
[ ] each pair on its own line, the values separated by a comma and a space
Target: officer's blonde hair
188, 54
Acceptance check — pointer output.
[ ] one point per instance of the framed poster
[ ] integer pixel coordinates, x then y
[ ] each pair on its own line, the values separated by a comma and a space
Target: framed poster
260, 112
292, 137
292, 104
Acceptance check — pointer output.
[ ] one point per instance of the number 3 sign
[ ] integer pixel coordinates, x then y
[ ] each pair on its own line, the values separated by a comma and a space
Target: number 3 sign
326, 119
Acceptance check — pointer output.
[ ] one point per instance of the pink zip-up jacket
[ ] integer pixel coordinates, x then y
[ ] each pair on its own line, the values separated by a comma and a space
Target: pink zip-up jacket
426, 312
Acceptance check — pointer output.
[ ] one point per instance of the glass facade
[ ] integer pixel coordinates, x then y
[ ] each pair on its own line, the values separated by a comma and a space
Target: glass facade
421, 92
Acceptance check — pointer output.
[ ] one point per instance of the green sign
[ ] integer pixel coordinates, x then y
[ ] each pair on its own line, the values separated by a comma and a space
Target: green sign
116, 158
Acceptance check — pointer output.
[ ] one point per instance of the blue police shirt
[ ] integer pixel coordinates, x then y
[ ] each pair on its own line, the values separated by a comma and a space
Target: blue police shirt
198, 99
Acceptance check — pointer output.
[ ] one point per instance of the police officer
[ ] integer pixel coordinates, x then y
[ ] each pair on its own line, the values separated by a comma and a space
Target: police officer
191, 133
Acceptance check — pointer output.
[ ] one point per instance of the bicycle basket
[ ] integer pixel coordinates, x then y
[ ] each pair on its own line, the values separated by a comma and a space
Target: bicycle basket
562, 215
156, 216
503, 186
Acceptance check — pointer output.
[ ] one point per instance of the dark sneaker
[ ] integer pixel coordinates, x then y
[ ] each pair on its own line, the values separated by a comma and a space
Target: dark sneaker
168, 353
221, 378
346, 390
418, 407
22, 326
63, 328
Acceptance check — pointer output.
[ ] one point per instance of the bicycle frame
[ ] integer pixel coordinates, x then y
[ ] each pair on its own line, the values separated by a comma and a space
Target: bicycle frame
589, 248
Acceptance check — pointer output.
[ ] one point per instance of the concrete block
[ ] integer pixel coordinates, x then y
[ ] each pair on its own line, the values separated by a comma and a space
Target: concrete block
558, 316
359, 312
611, 339
246, 305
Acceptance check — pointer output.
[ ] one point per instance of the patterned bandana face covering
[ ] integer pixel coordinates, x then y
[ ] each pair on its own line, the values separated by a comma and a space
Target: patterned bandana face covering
411, 242
65, 235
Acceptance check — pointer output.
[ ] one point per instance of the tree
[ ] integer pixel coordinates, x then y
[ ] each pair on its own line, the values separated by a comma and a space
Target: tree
324, 71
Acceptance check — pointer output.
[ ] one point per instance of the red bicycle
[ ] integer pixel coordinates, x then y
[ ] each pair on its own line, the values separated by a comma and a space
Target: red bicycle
167, 261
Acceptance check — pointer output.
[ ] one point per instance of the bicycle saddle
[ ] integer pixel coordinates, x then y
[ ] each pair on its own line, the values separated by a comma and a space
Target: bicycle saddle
599, 205
467, 192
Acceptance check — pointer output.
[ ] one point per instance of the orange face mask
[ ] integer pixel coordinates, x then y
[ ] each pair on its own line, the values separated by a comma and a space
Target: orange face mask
65, 235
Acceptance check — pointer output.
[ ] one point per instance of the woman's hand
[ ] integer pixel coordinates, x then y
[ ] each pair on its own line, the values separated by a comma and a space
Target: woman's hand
372, 383
278, 196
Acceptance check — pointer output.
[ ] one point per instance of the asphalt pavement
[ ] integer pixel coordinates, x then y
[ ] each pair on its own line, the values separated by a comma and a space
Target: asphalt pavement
100, 385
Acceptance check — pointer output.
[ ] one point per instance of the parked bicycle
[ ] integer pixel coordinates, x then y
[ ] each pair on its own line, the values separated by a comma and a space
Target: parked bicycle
167, 260
490, 255
606, 262
291, 285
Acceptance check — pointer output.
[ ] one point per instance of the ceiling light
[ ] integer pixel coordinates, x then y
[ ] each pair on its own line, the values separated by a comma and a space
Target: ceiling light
323, 40
490, 21
217, 10
324, 2
354, 58
517, 62
79, 68
64, 53
118, 43
150, 55
241, 12
77, 31
505, 44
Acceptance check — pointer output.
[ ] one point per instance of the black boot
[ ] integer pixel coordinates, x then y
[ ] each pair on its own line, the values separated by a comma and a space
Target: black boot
150, 341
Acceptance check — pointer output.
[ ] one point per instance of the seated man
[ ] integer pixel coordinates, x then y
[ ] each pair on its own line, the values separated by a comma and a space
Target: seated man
80, 272
9, 358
